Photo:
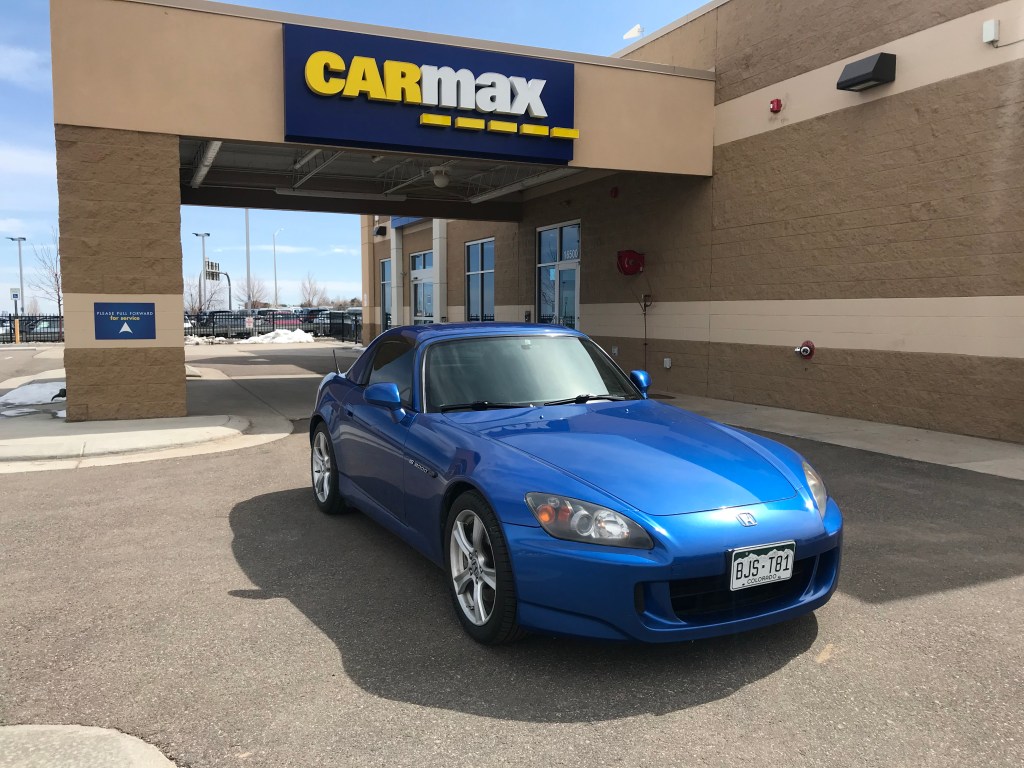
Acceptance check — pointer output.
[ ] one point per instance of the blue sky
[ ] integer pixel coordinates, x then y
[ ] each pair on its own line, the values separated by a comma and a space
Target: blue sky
325, 244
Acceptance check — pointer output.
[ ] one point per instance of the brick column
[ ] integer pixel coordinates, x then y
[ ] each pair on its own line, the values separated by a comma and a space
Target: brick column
120, 240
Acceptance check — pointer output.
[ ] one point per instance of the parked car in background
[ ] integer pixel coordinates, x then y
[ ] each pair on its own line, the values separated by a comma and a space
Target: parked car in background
311, 314
226, 323
557, 497
189, 326
43, 329
280, 318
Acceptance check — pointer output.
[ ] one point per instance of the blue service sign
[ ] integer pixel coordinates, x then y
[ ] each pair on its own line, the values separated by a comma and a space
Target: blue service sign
373, 92
118, 320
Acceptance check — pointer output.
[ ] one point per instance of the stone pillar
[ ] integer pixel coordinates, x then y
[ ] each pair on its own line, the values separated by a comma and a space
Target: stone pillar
120, 241
440, 248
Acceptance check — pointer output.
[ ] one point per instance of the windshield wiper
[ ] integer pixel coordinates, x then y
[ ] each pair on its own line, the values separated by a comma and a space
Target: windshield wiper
480, 405
580, 399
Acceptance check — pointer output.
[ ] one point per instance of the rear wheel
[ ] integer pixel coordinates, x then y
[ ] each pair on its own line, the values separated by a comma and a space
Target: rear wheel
480, 572
324, 472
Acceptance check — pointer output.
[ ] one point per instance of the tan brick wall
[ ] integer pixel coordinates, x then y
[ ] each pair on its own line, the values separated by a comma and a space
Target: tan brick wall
969, 395
507, 278
919, 194
125, 383
754, 43
120, 233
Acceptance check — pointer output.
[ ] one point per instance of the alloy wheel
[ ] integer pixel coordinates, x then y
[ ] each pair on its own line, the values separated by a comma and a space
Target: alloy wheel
472, 567
320, 458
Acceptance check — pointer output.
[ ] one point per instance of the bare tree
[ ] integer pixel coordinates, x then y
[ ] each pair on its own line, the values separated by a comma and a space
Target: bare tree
254, 295
310, 291
211, 297
32, 306
355, 301
339, 303
46, 278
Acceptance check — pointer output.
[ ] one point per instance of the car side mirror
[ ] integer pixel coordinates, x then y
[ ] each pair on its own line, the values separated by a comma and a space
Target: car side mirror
384, 394
642, 379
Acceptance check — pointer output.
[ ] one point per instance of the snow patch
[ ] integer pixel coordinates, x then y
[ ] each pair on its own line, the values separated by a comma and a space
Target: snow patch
18, 412
33, 394
61, 414
281, 336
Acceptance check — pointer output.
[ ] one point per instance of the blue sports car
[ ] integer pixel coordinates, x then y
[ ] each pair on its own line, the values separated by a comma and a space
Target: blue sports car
558, 498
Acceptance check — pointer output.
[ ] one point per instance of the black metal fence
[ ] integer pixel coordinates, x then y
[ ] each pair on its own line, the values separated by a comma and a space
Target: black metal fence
31, 328
345, 326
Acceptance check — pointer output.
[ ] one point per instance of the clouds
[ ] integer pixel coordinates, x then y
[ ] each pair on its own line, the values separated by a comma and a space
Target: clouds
12, 227
290, 250
27, 161
25, 67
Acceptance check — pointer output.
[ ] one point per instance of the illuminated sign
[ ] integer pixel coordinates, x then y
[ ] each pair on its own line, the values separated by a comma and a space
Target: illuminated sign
377, 92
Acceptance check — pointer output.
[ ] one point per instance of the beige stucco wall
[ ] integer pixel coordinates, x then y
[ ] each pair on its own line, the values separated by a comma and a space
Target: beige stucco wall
150, 68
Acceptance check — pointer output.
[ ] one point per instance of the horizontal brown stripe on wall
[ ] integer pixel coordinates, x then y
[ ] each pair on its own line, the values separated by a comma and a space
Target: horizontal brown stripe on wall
950, 393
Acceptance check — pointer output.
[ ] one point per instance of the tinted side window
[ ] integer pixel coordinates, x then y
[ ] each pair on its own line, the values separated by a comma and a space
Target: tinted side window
394, 362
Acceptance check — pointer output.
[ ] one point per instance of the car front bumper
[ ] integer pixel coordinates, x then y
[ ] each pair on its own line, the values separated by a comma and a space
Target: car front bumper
679, 590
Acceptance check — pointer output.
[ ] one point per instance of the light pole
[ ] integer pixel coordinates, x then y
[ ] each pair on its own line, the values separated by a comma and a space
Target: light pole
21, 272
248, 274
276, 303
202, 274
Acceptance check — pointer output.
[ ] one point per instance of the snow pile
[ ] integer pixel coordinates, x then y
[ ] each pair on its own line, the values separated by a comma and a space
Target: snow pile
193, 341
18, 412
33, 394
281, 336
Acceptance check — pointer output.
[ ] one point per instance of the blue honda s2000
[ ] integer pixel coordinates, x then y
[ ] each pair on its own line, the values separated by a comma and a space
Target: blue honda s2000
558, 498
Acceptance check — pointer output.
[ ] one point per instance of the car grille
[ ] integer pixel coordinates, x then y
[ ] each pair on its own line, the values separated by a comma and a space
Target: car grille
710, 597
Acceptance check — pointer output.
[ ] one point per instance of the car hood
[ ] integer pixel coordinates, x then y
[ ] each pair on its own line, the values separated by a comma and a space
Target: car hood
656, 458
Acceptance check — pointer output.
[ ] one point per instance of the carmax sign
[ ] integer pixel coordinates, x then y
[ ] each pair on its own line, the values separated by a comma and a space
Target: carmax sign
369, 91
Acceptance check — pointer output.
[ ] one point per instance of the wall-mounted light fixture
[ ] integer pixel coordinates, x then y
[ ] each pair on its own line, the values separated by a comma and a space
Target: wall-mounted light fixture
867, 73
380, 230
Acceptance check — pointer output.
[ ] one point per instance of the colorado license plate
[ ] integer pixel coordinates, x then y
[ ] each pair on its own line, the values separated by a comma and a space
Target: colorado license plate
753, 566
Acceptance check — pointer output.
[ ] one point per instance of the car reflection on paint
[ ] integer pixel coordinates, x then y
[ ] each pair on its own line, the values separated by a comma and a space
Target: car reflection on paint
558, 498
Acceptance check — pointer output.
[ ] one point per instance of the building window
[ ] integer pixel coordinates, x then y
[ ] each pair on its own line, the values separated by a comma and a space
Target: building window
422, 278
385, 294
480, 280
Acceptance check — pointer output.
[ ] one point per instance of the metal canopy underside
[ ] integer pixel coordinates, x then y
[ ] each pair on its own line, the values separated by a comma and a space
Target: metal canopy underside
301, 177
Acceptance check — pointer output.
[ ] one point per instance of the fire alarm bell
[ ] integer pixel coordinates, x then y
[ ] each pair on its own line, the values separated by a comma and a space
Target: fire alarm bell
805, 350
775, 105
630, 262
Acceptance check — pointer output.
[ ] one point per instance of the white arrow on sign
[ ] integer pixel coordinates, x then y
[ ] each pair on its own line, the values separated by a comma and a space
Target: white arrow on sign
125, 329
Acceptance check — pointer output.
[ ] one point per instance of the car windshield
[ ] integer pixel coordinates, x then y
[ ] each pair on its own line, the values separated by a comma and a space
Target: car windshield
522, 370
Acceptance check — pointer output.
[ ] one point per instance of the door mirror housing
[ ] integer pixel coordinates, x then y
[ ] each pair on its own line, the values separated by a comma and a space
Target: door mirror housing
384, 394
642, 379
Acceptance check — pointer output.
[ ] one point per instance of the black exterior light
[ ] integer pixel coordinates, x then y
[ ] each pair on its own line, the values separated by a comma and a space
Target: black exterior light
867, 73
380, 230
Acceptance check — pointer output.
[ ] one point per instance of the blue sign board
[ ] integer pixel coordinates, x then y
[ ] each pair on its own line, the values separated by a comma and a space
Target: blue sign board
373, 92
119, 320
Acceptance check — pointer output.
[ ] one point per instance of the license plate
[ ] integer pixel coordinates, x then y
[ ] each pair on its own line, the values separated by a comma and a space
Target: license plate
763, 564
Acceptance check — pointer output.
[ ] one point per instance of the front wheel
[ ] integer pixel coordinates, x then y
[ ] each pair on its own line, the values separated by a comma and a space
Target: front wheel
324, 472
480, 572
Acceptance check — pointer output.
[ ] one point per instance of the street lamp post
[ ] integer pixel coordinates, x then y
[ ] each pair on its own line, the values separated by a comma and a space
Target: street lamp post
276, 303
21, 272
202, 274
248, 273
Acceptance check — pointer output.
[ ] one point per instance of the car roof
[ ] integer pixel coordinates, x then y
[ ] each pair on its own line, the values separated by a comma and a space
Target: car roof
422, 334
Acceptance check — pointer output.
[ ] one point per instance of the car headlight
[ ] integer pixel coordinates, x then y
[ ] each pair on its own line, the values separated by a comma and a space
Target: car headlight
576, 520
817, 486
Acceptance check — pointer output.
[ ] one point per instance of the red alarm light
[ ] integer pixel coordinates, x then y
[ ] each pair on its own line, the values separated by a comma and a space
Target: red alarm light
630, 262
775, 105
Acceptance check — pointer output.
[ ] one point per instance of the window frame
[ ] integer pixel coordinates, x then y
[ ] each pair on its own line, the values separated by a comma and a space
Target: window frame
479, 276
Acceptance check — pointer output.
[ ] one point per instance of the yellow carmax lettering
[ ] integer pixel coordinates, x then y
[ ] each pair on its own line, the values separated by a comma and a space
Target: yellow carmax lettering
402, 82
364, 77
323, 70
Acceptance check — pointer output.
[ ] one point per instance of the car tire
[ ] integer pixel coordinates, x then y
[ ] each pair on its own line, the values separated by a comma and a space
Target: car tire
323, 470
479, 569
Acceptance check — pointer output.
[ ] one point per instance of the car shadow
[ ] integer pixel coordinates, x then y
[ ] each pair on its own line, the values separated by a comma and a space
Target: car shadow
387, 610
914, 528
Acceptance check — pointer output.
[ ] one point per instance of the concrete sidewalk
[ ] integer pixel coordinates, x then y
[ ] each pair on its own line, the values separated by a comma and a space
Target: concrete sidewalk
974, 453
75, 746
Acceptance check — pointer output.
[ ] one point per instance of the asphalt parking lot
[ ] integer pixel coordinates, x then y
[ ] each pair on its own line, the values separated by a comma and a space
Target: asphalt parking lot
204, 605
